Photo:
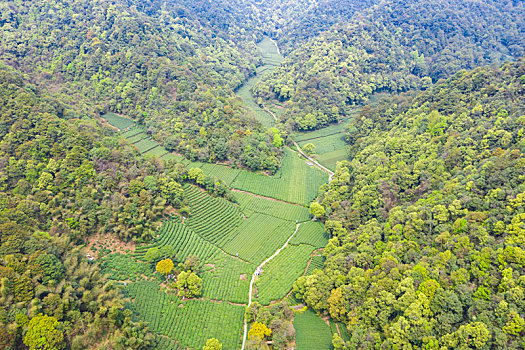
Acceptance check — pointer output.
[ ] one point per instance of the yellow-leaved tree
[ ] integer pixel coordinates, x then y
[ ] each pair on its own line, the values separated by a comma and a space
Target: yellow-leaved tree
165, 266
258, 332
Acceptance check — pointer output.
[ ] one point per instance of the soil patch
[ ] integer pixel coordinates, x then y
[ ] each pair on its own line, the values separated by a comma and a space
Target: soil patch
108, 241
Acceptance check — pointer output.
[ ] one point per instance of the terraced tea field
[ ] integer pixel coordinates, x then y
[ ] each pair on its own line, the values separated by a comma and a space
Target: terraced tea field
311, 332
117, 121
271, 59
269, 223
278, 276
295, 182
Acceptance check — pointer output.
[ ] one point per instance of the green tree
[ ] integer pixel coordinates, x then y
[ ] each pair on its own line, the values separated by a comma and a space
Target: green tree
212, 344
42, 333
317, 209
189, 284
153, 255
309, 149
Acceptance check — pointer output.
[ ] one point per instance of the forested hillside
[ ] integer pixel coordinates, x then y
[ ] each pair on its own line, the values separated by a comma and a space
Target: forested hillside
427, 220
61, 182
394, 46
157, 63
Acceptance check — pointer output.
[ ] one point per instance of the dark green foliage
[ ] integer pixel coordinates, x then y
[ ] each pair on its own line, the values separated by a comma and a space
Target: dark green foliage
61, 181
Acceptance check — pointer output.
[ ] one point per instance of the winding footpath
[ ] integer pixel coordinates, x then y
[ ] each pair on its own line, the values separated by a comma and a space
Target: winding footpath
259, 268
253, 280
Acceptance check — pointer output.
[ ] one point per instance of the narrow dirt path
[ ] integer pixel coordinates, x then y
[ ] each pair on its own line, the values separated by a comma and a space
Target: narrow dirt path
270, 113
253, 280
322, 167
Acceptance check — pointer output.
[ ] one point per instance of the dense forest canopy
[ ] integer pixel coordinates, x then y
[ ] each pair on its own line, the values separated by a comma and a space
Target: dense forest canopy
427, 220
60, 182
167, 70
390, 48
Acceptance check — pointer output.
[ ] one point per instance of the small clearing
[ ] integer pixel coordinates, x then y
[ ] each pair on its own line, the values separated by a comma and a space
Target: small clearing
108, 241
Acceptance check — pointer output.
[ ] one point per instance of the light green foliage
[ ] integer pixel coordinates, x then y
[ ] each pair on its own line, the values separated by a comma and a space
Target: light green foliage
212, 344
309, 149
153, 255
43, 334
189, 284
317, 209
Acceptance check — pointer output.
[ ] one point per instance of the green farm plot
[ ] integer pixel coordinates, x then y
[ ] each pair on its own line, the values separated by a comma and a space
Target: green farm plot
330, 159
344, 331
189, 322
164, 343
311, 233
295, 182
132, 132
317, 262
279, 274
137, 137
118, 121
214, 219
280, 210
259, 237
183, 239
145, 145
327, 143
226, 278
222, 274
339, 128
330, 148
260, 114
158, 151
122, 267
311, 332
221, 172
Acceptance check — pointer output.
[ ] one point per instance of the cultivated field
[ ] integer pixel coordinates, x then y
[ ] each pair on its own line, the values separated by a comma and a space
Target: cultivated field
311, 332
330, 144
117, 121
230, 239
